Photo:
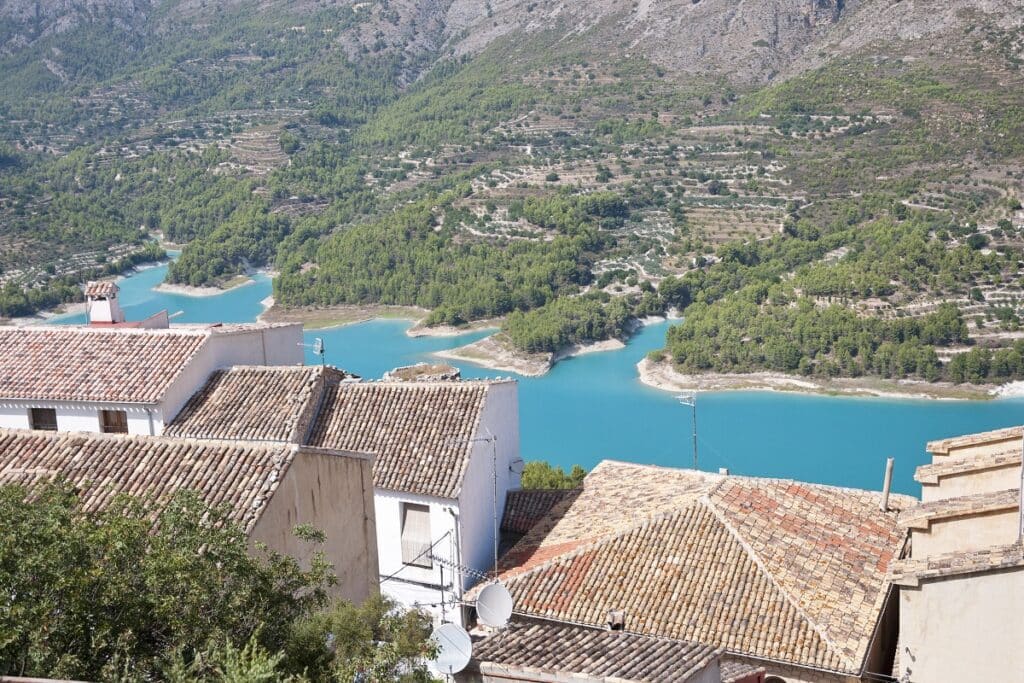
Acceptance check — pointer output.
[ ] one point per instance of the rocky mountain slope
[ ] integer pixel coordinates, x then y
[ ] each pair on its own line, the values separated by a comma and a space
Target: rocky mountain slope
744, 41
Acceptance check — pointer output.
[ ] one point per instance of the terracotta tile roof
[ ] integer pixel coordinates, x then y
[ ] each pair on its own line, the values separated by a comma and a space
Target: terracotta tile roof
765, 568
524, 508
910, 572
944, 446
539, 647
735, 671
242, 475
255, 402
418, 431
89, 364
946, 467
102, 288
921, 516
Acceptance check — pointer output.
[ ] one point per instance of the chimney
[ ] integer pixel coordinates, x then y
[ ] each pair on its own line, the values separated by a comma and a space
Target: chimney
616, 620
884, 505
101, 303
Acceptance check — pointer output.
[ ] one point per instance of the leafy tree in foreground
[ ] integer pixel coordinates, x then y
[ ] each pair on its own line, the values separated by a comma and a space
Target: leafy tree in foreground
135, 592
539, 474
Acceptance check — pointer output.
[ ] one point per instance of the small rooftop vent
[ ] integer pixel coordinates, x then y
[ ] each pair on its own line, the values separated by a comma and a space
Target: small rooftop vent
616, 620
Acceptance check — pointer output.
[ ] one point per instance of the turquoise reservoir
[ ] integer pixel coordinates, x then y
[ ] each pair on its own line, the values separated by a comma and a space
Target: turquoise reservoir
594, 406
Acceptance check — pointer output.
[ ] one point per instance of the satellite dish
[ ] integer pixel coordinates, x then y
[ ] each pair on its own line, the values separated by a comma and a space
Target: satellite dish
454, 648
494, 605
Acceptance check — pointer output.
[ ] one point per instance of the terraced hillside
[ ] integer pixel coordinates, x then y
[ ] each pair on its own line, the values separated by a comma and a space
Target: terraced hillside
566, 167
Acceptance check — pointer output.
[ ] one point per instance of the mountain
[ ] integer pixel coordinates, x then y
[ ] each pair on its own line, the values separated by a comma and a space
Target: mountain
564, 166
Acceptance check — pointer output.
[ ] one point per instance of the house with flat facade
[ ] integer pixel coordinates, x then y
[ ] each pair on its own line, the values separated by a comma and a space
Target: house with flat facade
446, 454
961, 590
123, 380
781, 575
269, 488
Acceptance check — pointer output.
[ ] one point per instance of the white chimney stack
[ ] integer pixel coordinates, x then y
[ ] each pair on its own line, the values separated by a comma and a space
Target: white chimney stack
101, 303
886, 485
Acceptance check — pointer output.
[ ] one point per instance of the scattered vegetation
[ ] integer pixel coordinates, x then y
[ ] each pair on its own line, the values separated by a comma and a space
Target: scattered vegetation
132, 593
539, 474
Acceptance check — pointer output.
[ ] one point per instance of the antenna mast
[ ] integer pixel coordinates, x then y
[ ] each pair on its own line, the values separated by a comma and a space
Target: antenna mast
492, 439
690, 399
318, 349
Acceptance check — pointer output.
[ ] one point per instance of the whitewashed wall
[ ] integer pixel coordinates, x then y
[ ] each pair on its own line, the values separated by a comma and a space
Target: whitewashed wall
81, 417
416, 586
471, 529
501, 416
264, 346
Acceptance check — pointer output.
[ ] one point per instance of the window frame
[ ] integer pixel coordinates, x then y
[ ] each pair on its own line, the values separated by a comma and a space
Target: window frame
409, 556
112, 428
34, 424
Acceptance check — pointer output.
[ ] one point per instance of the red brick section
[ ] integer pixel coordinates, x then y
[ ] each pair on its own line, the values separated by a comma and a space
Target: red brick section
828, 548
685, 577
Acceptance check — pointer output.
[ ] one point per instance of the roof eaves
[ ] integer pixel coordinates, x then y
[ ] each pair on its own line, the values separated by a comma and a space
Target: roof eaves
944, 446
911, 572
922, 516
931, 474
336, 453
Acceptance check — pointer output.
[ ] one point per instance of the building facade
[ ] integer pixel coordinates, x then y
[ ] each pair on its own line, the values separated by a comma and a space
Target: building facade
123, 380
961, 590
447, 452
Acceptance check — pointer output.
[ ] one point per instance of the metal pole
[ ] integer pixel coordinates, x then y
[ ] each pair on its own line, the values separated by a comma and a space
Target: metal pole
494, 499
694, 409
691, 401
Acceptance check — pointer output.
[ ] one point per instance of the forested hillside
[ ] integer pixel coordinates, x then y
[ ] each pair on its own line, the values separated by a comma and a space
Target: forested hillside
826, 188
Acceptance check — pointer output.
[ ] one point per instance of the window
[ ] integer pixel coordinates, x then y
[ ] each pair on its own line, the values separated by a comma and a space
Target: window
113, 422
43, 418
416, 535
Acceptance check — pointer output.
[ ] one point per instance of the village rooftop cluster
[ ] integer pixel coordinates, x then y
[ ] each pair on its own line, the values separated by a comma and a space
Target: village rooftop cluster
643, 574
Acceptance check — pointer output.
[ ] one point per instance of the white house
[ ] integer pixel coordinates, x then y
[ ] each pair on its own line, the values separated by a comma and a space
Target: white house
446, 454
123, 379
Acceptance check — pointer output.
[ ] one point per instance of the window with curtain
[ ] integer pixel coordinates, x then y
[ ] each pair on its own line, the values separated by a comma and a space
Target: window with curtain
416, 535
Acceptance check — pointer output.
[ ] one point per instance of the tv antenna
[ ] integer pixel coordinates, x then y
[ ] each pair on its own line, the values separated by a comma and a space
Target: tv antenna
318, 348
454, 649
492, 439
690, 399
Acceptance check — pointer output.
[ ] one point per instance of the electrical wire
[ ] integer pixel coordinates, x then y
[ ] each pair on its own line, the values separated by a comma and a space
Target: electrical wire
426, 550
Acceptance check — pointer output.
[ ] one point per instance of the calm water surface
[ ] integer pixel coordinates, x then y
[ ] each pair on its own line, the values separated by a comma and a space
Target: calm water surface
594, 407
